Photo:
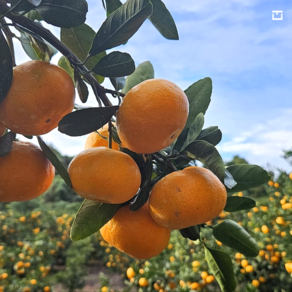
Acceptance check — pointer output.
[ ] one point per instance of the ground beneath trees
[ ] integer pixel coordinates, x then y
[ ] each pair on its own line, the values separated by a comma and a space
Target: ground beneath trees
92, 282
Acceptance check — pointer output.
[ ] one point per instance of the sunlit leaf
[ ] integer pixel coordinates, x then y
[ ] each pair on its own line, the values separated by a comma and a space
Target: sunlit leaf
65, 64
121, 25
6, 143
235, 203
221, 267
55, 161
79, 39
208, 155
163, 21
85, 121
143, 72
248, 176
90, 218
6, 66
63, 13
115, 64
233, 235
199, 96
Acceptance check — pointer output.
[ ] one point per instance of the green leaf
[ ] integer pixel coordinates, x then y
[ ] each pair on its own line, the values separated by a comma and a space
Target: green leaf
78, 40
118, 82
121, 25
208, 155
163, 21
23, 5
33, 15
63, 13
143, 193
247, 176
189, 135
112, 5
233, 235
65, 64
81, 87
221, 266
213, 135
6, 72
235, 203
85, 121
55, 161
192, 233
199, 96
143, 72
6, 143
90, 218
115, 64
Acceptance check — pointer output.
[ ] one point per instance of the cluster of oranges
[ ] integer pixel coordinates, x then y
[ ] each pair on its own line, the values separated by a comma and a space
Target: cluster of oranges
39, 96
151, 117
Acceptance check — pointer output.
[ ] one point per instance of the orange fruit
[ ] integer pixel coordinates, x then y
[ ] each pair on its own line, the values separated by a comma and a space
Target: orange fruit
95, 140
40, 95
130, 273
25, 173
152, 115
187, 197
135, 233
104, 175
143, 282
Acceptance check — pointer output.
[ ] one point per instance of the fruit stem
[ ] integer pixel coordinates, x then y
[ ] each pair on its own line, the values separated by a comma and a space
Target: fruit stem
54, 41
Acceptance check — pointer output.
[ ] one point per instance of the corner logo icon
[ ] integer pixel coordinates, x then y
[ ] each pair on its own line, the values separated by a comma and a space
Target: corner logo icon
277, 15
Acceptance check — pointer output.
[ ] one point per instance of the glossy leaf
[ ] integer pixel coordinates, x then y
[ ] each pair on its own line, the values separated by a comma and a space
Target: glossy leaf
233, 235
143, 193
213, 135
235, 203
55, 161
6, 72
112, 5
221, 267
121, 25
199, 96
194, 130
85, 121
115, 64
81, 87
65, 64
229, 181
163, 21
63, 13
118, 82
23, 5
78, 40
192, 233
248, 176
143, 72
208, 155
90, 218
6, 143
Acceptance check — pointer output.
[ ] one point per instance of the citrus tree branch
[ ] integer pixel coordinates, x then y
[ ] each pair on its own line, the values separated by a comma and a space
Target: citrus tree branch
54, 41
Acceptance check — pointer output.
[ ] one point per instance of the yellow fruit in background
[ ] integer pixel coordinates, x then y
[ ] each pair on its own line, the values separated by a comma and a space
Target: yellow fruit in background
96, 140
25, 173
143, 282
130, 273
104, 175
41, 94
187, 197
255, 283
152, 115
135, 233
265, 229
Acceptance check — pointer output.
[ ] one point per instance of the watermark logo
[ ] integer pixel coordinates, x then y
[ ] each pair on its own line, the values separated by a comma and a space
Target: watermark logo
277, 15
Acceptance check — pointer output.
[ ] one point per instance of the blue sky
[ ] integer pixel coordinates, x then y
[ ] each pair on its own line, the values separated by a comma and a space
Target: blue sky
248, 57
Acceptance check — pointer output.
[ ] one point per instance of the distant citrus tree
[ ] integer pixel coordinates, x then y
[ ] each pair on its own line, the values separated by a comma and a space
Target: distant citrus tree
157, 125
